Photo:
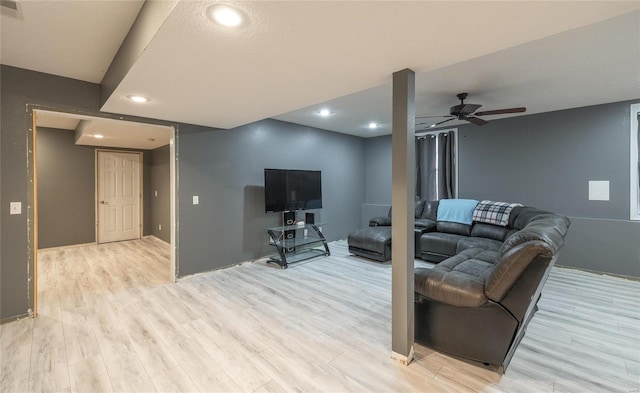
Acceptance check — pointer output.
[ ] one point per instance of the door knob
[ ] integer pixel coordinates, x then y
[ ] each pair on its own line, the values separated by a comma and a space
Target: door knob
104, 203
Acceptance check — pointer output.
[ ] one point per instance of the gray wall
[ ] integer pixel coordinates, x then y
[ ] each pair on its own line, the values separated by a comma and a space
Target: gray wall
19, 88
225, 169
546, 160
22, 90
378, 178
159, 194
66, 189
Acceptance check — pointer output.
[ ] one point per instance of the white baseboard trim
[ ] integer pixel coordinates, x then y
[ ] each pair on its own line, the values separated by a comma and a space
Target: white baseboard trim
402, 358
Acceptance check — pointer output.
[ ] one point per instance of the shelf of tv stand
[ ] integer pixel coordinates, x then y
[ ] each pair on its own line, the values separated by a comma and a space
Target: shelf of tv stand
308, 242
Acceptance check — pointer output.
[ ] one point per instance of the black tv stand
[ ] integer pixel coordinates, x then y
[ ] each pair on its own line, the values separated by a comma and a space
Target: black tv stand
305, 244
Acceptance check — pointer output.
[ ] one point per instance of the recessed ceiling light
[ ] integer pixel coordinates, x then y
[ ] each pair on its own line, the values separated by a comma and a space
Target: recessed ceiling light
98, 136
225, 15
324, 112
138, 99
373, 125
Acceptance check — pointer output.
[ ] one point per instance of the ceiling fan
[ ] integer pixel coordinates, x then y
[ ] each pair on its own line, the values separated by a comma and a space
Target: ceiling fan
467, 112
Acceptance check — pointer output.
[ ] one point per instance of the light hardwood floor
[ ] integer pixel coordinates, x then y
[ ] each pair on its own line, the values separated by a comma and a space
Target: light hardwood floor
111, 321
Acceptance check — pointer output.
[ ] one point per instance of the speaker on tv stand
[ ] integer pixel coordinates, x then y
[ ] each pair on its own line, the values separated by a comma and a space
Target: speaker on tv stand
309, 218
289, 218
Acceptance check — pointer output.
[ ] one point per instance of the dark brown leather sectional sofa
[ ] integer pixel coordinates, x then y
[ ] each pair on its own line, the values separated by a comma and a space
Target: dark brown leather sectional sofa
477, 301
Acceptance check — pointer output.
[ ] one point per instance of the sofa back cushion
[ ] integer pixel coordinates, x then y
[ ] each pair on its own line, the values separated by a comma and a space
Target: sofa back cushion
489, 231
525, 215
546, 227
430, 210
419, 205
515, 213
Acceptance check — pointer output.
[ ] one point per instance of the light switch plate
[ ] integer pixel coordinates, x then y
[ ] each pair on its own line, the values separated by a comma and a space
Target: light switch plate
598, 190
196, 200
15, 208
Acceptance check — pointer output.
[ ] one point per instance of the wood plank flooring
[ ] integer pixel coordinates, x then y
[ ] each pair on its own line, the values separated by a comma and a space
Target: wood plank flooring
111, 321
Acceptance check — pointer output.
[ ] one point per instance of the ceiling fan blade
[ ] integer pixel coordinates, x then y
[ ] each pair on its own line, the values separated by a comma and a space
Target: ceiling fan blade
430, 123
476, 120
501, 111
438, 123
431, 117
468, 109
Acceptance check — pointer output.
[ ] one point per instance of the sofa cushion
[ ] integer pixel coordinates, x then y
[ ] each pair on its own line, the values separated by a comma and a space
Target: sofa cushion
515, 213
380, 222
457, 210
527, 214
454, 228
419, 205
490, 231
426, 224
478, 242
439, 243
430, 210
459, 280
546, 227
373, 239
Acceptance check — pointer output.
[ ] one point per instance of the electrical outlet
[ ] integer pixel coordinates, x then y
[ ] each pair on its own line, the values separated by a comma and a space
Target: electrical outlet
196, 200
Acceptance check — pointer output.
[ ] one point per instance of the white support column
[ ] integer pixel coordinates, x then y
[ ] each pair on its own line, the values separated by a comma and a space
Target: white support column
402, 216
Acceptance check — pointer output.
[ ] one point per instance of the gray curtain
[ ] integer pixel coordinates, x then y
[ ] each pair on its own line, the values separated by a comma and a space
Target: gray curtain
446, 180
435, 178
426, 168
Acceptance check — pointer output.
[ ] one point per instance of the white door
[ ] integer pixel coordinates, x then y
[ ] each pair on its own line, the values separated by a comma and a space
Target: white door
118, 196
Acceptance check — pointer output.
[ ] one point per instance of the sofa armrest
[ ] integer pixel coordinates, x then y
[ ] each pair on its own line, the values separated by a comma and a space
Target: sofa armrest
425, 224
380, 222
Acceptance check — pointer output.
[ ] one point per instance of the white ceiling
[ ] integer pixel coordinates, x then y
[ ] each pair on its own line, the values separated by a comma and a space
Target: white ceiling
590, 65
76, 39
116, 133
293, 55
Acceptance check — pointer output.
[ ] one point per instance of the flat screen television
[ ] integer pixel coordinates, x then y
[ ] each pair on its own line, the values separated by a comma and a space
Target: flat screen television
291, 189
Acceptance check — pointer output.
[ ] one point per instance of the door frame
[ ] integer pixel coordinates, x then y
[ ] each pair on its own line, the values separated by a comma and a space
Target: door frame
140, 186
32, 192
